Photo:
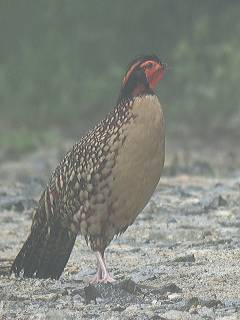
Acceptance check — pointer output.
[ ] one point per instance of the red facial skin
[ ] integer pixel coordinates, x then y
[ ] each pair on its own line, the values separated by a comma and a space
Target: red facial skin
153, 71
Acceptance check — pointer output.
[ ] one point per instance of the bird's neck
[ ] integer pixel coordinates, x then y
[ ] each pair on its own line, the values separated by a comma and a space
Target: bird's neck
130, 91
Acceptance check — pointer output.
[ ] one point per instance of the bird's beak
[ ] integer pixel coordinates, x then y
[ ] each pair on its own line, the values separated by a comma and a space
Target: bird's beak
164, 65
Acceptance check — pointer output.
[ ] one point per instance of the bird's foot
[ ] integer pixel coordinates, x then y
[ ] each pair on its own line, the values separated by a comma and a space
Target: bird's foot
95, 279
102, 275
107, 279
101, 278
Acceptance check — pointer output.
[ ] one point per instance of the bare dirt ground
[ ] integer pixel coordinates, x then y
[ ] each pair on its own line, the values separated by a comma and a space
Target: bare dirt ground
179, 260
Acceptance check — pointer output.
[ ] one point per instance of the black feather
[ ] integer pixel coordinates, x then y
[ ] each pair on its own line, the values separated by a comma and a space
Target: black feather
45, 252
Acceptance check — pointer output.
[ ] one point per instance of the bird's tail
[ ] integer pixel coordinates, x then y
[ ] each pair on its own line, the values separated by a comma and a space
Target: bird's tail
45, 252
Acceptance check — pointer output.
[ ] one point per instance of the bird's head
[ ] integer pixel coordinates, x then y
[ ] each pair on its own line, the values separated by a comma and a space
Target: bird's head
142, 76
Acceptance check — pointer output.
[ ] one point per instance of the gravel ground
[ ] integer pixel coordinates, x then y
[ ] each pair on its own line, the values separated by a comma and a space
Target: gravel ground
179, 260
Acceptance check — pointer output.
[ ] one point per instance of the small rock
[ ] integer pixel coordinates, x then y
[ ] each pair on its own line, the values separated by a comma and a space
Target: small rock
131, 309
91, 294
188, 258
224, 213
118, 308
170, 288
206, 313
222, 202
211, 303
130, 286
174, 296
213, 202
79, 292
192, 302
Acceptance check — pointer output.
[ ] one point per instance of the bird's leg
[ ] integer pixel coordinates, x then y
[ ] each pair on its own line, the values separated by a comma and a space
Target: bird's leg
98, 275
102, 274
106, 277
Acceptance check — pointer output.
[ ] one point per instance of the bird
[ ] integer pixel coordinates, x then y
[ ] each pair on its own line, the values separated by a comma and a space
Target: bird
103, 182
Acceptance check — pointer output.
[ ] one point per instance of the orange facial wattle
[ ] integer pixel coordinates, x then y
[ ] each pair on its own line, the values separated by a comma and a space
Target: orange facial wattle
154, 72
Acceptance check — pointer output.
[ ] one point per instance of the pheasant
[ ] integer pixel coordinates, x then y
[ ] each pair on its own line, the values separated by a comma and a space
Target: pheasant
103, 182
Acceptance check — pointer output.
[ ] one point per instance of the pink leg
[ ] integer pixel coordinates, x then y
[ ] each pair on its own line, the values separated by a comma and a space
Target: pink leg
102, 274
96, 278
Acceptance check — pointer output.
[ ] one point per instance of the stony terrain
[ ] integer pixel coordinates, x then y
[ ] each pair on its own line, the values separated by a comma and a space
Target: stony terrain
179, 260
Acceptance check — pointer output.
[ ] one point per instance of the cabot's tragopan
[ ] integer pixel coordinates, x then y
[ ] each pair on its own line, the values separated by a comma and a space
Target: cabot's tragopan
103, 182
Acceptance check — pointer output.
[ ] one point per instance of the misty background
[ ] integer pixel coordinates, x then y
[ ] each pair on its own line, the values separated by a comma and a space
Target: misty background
61, 64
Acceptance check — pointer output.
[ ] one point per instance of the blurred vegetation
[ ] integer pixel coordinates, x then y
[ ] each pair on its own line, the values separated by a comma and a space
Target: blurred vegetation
61, 63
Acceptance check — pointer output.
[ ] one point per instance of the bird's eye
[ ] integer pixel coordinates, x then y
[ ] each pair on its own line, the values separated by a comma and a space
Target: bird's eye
149, 65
